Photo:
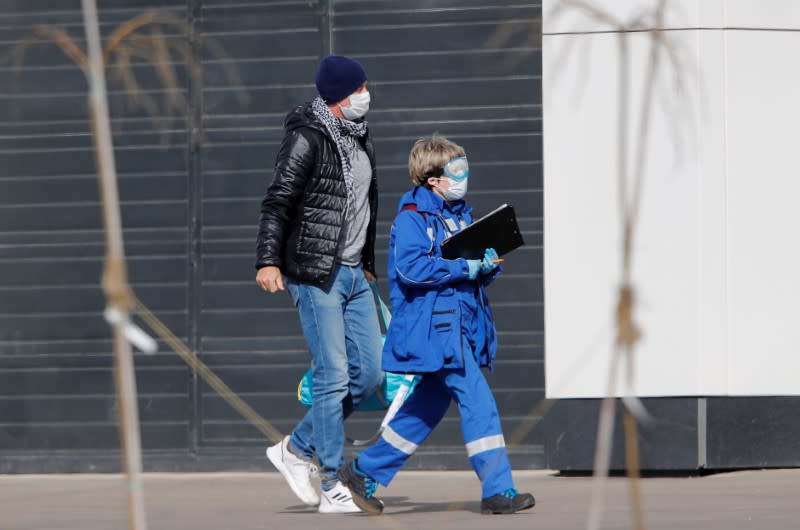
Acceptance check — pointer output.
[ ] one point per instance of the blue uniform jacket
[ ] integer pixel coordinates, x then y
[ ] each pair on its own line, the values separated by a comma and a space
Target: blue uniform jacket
438, 314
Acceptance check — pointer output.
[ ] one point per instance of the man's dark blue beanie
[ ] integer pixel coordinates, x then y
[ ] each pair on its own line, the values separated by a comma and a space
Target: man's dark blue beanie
338, 77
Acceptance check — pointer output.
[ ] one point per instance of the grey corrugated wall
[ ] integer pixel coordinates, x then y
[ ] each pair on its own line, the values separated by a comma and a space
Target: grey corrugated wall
190, 206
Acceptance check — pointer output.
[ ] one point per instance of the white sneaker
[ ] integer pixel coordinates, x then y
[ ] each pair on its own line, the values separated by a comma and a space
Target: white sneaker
338, 500
295, 470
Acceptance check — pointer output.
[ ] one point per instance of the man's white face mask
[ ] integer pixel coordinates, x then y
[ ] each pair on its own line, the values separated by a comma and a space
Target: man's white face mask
359, 105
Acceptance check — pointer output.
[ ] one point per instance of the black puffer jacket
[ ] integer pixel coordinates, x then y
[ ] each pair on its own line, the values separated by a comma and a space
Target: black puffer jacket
303, 208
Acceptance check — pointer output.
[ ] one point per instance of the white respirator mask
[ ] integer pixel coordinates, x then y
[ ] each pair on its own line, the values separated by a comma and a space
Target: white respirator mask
456, 171
359, 105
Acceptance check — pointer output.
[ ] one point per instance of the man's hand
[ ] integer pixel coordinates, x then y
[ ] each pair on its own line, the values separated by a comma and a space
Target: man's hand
269, 278
369, 276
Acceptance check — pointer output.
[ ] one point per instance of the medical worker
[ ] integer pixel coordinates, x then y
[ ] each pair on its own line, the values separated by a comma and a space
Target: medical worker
442, 329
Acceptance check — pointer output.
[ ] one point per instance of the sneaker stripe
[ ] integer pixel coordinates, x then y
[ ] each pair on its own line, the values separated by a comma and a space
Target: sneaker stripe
338, 500
340, 497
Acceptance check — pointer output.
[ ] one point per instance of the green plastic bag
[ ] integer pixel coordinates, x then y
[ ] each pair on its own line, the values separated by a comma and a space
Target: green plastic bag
381, 399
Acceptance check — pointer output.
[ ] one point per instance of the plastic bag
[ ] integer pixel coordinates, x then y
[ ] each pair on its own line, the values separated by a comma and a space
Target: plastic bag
383, 397
380, 400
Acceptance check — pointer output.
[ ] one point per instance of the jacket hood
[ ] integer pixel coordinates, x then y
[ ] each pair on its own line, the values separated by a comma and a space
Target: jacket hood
303, 116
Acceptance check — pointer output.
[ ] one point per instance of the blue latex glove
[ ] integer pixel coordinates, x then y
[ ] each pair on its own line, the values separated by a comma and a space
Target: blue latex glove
474, 268
487, 263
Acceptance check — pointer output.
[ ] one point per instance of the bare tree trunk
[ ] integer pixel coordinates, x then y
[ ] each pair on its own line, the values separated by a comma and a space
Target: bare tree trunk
115, 281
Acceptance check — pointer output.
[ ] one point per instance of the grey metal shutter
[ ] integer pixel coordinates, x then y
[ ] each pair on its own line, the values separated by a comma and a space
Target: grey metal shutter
57, 405
462, 69
190, 209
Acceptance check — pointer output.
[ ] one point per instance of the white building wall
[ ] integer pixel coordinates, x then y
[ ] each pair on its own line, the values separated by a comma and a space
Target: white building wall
716, 257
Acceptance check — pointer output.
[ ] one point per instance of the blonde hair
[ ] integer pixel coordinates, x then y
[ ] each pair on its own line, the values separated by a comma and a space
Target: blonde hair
430, 154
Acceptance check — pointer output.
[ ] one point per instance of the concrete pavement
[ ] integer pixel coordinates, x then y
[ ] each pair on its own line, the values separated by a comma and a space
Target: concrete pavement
431, 500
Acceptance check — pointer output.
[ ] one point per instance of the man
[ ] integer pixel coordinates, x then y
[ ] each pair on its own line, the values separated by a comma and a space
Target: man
316, 238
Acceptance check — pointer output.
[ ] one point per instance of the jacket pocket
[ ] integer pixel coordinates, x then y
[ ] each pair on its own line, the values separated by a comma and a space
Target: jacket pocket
445, 328
443, 320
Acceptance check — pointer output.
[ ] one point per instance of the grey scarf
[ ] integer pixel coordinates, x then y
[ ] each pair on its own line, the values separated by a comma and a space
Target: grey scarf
339, 129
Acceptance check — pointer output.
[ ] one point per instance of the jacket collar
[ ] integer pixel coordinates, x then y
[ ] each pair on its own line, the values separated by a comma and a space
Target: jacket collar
430, 202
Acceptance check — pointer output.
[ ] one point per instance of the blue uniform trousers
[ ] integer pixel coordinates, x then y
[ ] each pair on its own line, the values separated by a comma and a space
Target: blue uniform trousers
424, 409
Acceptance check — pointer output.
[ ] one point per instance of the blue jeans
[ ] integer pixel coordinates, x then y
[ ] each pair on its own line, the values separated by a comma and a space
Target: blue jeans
343, 335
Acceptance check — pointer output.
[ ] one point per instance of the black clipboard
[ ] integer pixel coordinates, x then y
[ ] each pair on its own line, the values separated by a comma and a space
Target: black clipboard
498, 230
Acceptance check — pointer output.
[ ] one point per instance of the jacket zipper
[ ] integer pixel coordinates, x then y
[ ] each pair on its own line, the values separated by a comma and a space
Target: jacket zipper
461, 336
489, 359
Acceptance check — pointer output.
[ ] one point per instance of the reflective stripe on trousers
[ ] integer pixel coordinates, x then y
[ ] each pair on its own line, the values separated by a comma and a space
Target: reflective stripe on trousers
487, 443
